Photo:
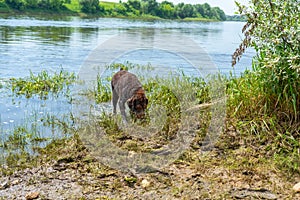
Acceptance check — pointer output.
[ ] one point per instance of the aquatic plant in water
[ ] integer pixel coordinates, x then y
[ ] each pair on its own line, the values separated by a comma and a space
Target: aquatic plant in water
42, 84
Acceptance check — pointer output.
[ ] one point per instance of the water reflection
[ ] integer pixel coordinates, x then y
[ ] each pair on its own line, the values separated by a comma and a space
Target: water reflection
44, 35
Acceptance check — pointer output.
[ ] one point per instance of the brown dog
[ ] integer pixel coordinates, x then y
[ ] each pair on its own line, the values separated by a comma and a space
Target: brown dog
127, 88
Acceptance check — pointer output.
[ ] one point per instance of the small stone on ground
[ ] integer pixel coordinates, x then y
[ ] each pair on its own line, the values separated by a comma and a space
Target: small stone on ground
296, 187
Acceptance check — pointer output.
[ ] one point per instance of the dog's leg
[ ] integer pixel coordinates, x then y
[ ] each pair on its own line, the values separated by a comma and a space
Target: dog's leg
122, 109
115, 99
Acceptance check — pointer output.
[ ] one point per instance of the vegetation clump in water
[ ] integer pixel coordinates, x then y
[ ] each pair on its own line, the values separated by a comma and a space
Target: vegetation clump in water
42, 84
21, 139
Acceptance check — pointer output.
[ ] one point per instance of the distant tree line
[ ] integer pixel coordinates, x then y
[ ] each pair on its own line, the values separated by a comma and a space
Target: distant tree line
168, 10
37, 4
236, 18
165, 9
91, 6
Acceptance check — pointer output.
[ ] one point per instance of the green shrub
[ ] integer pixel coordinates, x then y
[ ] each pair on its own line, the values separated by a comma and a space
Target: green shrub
4, 7
17, 4
272, 28
90, 6
266, 101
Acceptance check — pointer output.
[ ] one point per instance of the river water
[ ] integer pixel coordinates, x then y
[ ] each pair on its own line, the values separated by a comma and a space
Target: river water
36, 44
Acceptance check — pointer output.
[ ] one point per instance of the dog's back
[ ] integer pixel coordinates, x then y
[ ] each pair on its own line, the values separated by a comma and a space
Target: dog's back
125, 84
127, 88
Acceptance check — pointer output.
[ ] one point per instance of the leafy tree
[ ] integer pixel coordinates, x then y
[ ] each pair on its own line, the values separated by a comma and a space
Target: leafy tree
51, 4
120, 9
185, 10
179, 10
166, 10
149, 7
133, 6
272, 28
207, 10
43, 4
199, 9
188, 10
16, 4
235, 18
32, 3
218, 14
90, 6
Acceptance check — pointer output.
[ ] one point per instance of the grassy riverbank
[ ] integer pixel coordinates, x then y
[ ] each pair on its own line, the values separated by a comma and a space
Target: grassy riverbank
255, 154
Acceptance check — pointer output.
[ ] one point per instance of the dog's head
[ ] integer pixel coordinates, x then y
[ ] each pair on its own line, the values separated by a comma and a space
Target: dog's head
138, 104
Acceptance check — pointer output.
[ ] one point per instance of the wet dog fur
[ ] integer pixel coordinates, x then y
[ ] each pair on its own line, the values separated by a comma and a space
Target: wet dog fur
126, 88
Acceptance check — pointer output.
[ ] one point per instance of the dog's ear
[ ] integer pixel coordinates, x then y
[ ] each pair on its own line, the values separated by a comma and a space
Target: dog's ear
146, 103
130, 103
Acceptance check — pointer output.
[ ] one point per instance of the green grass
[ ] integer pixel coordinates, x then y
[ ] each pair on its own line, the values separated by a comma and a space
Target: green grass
108, 5
74, 6
199, 19
248, 106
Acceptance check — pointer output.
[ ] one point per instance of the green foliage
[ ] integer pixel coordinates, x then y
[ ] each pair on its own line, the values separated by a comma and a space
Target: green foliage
120, 9
184, 10
272, 28
247, 107
166, 10
218, 14
244, 94
130, 180
34, 4
102, 91
266, 100
42, 84
149, 7
90, 6
3, 7
73, 5
134, 8
206, 10
16, 4
236, 18
51, 4
159, 93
